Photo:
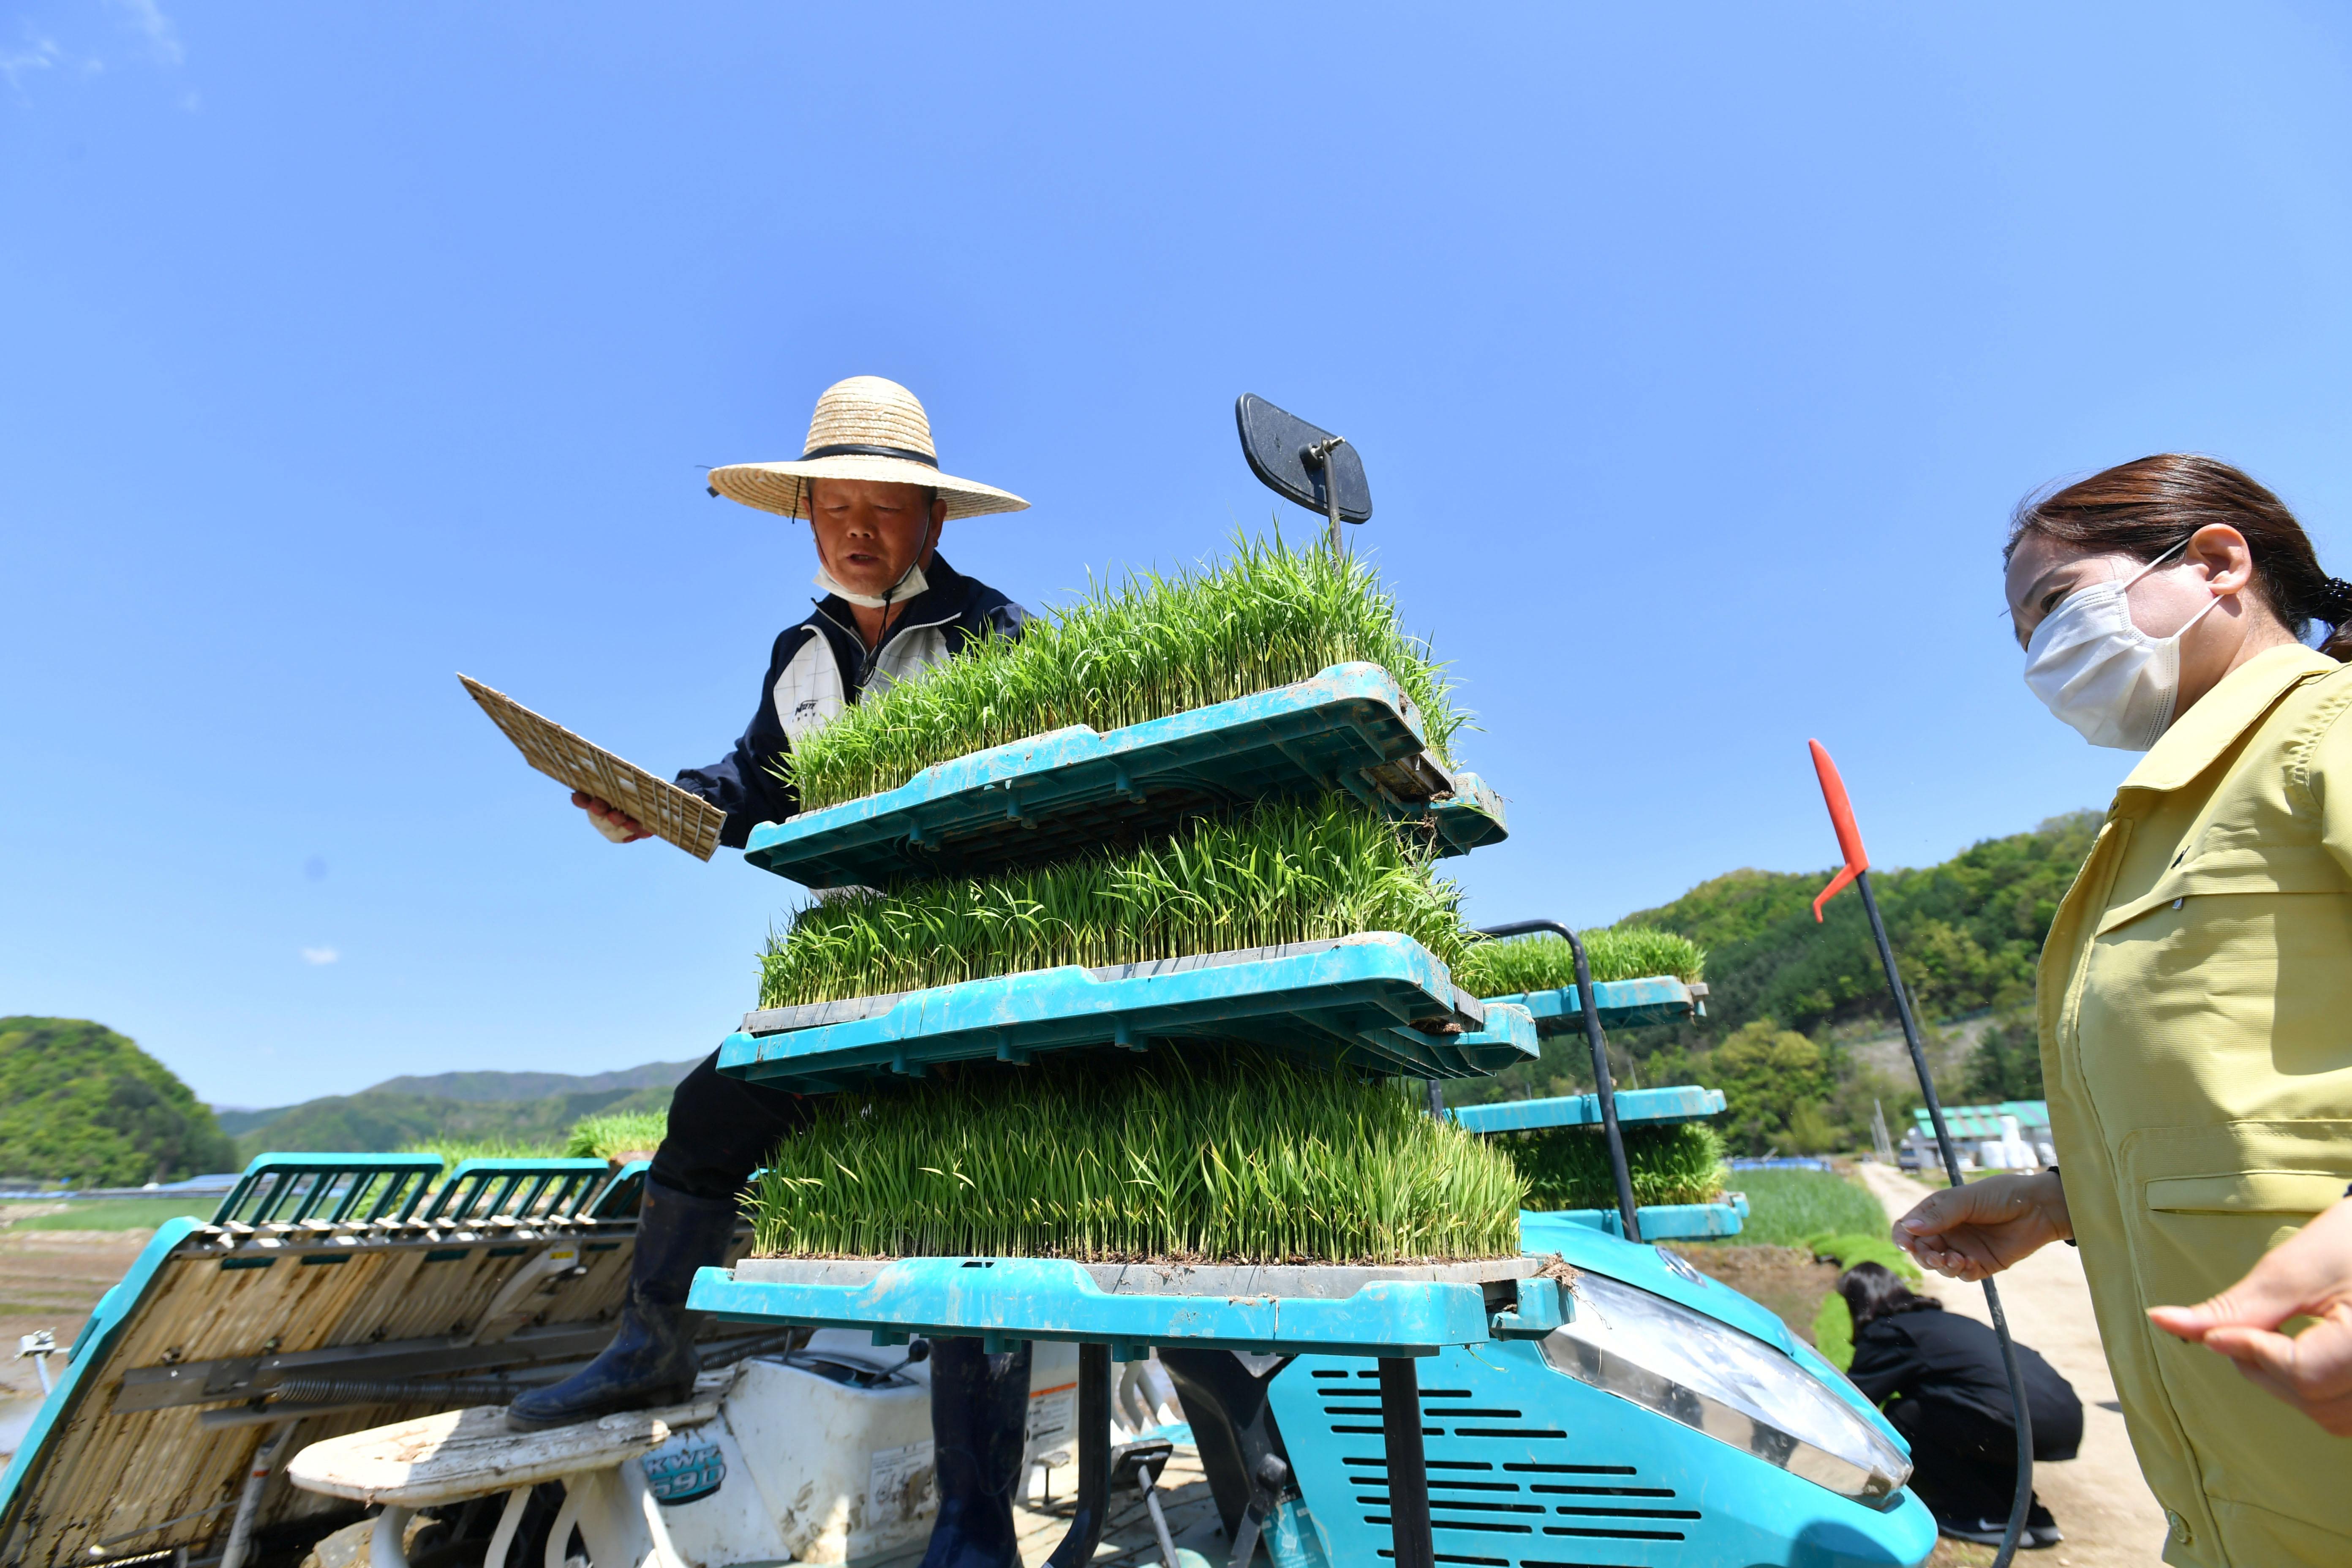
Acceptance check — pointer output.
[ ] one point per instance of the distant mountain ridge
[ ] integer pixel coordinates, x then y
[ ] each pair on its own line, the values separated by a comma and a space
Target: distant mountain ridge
470, 1107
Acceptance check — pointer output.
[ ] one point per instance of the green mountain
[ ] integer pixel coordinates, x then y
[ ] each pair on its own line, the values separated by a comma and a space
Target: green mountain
377, 1118
1966, 932
83, 1105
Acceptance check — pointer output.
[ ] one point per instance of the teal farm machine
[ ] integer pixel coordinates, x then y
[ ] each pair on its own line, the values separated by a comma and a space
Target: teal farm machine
339, 1339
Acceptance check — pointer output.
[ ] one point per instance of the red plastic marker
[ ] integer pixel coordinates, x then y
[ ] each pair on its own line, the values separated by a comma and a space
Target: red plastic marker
1849, 836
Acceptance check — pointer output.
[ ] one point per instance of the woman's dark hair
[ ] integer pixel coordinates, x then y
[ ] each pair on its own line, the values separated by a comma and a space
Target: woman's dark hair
2147, 507
1874, 1290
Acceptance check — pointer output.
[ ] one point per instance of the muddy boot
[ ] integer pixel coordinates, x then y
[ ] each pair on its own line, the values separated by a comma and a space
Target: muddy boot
651, 1360
980, 1408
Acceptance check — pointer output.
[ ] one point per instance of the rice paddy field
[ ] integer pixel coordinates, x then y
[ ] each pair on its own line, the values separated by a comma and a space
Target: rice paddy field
1182, 1156
615, 1134
1568, 1167
1144, 647
1786, 1208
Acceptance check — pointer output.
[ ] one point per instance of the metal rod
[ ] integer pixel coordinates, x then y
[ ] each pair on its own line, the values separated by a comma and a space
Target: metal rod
256, 1481
1407, 1464
1320, 454
1603, 1088
2023, 1503
1085, 1531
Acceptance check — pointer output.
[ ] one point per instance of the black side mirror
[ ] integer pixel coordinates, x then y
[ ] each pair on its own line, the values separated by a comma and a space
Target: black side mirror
1302, 463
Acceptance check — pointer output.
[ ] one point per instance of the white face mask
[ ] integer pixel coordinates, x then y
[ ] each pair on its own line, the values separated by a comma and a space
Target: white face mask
2099, 672
912, 583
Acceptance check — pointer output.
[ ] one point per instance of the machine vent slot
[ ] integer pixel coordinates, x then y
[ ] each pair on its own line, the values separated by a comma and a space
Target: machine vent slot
1478, 1503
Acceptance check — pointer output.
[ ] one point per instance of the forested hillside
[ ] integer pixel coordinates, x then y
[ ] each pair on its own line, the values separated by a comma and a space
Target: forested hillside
459, 1107
82, 1105
1792, 1001
1967, 932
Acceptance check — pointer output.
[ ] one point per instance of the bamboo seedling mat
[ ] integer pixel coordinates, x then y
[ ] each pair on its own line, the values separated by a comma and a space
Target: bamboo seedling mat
666, 811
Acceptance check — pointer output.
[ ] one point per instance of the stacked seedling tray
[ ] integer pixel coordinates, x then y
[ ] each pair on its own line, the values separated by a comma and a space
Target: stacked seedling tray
1675, 1159
1102, 1029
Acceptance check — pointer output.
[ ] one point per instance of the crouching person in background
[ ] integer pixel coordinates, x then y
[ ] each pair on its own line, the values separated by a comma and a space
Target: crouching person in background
1940, 1379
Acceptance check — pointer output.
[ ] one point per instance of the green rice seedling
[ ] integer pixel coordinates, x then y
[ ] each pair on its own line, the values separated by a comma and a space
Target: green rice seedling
616, 1133
1568, 1167
1215, 1154
1521, 964
1142, 648
1283, 872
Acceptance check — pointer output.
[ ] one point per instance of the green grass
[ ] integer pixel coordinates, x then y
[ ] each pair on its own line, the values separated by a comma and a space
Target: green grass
120, 1213
1212, 1156
1280, 872
1545, 963
621, 1133
1788, 1208
455, 1151
1142, 648
1568, 1167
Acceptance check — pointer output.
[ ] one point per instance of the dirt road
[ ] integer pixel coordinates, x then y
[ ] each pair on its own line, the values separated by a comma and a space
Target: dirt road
2101, 1502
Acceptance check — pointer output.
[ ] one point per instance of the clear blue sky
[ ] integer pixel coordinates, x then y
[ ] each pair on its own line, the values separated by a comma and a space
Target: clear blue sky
1696, 355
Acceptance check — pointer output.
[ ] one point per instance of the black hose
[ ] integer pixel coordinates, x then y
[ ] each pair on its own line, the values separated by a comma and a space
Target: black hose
2023, 1503
1605, 1090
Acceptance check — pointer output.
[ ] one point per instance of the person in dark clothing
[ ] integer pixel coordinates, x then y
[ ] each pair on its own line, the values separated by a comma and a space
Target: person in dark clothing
1940, 1379
869, 483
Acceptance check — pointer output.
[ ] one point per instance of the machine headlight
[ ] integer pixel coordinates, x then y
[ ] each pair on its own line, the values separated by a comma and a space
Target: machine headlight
1690, 1368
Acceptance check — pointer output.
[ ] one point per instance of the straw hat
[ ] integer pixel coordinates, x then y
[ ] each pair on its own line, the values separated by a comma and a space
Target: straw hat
863, 429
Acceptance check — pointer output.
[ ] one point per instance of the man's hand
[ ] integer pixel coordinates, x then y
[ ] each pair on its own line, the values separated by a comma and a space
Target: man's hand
609, 820
1967, 1233
2308, 1275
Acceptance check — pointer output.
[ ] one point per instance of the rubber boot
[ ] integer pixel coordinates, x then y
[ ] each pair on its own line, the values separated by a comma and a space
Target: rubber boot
979, 1410
651, 1360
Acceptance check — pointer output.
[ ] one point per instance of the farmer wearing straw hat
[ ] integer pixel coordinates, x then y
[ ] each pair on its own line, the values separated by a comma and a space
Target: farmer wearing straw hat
870, 485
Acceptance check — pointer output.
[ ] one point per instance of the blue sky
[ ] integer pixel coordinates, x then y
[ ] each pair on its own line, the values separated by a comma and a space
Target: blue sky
1696, 355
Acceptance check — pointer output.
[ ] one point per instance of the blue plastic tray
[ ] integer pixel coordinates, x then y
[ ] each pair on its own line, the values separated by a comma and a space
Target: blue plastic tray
1052, 795
1623, 1004
1346, 1003
1544, 1231
1685, 1102
1269, 1310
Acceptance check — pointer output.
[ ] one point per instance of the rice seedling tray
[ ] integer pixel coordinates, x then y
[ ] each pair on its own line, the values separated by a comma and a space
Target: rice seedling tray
1622, 1003
1377, 1001
1682, 1102
1330, 1309
1349, 728
1549, 1230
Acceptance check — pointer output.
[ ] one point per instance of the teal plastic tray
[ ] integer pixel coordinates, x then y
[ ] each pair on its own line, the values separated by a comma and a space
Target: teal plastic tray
1349, 728
1333, 1310
1353, 1002
287, 1188
1685, 1102
538, 1189
1548, 1231
1623, 1004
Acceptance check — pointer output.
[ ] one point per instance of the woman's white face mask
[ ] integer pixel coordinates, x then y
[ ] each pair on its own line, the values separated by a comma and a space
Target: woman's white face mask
2099, 672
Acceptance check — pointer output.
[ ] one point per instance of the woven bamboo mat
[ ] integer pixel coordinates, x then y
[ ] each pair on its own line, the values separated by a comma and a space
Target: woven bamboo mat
667, 812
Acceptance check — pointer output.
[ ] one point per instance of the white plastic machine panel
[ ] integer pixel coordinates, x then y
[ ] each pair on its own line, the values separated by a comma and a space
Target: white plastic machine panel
829, 1460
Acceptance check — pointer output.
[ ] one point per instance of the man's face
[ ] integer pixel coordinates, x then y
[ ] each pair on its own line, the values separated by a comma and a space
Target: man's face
868, 533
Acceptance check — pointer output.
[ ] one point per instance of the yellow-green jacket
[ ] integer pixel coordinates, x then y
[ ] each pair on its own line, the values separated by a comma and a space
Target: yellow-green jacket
2196, 1016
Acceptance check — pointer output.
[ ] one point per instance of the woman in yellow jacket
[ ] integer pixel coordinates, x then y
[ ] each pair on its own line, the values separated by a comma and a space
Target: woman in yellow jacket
2196, 989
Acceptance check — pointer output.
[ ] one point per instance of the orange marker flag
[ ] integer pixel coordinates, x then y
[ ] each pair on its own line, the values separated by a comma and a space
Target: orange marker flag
1849, 836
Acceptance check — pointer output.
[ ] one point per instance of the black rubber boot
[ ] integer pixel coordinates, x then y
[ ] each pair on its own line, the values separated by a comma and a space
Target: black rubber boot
651, 1360
979, 1410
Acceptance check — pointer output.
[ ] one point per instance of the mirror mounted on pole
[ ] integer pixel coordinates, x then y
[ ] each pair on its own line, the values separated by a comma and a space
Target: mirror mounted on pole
1303, 463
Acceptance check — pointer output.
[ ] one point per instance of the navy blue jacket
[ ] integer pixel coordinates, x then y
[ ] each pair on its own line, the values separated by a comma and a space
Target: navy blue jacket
821, 665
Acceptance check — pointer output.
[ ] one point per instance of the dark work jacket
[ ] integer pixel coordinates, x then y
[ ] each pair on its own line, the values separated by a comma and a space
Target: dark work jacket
1932, 1354
822, 666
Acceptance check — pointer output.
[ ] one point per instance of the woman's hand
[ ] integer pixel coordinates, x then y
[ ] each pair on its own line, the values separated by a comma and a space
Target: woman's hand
2308, 1275
1967, 1233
